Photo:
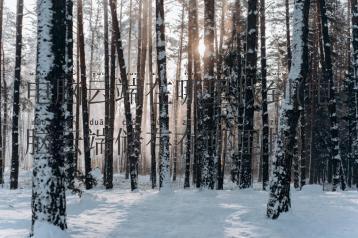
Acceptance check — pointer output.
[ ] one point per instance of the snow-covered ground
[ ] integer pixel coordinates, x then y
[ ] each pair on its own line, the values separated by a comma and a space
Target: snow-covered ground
120, 213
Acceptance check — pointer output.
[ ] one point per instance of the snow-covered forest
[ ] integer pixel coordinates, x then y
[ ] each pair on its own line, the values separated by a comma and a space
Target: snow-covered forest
178, 118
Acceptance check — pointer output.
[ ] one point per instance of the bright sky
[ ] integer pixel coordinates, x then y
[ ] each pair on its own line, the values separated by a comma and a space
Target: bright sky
12, 3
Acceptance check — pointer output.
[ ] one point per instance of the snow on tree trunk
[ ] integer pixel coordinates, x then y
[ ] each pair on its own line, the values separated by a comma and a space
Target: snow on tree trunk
265, 118
250, 81
48, 189
207, 100
279, 200
163, 98
355, 82
69, 150
16, 99
335, 156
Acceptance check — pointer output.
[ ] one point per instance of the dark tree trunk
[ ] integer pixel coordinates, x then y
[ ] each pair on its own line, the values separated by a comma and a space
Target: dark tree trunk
48, 189
207, 99
355, 81
16, 99
189, 101
133, 163
279, 200
250, 81
109, 109
264, 116
335, 157
71, 164
153, 106
85, 117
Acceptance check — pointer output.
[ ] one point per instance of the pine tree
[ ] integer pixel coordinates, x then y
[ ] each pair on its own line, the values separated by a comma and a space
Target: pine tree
16, 100
355, 82
48, 190
265, 119
279, 200
207, 99
250, 81
133, 163
335, 157
85, 117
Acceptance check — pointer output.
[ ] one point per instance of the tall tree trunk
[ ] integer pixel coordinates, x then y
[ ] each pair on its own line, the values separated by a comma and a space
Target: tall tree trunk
355, 81
16, 100
175, 98
163, 98
207, 99
71, 164
128, 115
288, 34
2, 158
250, 81
335, 156
279, 200
264, 116
48, 189
193, 15
153, 106
189, 101
218, 102
85, 117
108, 153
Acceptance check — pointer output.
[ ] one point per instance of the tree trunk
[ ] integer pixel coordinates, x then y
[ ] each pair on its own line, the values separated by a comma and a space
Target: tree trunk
2, 158
85, 117
355, 81
250, 80
16, 99
48, 189
279, 200
264, 116
207, 99
335, 156
71, 164
153, 106
163, 98
128, 115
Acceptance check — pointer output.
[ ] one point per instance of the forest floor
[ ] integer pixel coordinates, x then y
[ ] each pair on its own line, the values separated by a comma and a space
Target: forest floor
231, 213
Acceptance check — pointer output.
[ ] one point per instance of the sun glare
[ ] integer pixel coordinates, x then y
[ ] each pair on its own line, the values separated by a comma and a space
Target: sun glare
201, 48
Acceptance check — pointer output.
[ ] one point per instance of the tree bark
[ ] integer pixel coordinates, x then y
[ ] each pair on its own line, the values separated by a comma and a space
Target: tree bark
16, 99
279, 200
48, 189
85, 117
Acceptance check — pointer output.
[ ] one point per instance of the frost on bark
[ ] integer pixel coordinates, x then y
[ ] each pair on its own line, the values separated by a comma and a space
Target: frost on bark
335, 156
48, 189
279, 200
207, 129
14, 173
250, 81
163, 98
